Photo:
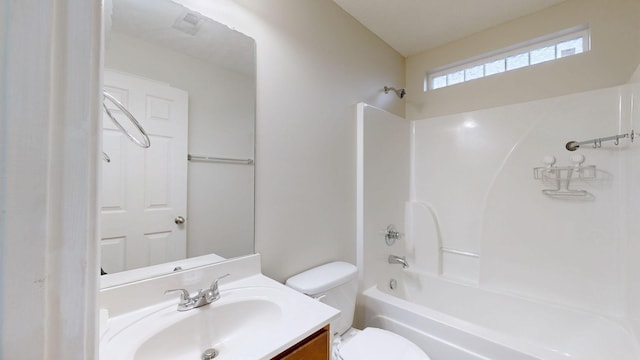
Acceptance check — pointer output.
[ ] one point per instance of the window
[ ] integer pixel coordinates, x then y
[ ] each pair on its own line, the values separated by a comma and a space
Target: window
552, 47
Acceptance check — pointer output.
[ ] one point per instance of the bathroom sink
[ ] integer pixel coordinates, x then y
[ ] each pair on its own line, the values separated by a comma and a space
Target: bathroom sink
222, 327
253, 319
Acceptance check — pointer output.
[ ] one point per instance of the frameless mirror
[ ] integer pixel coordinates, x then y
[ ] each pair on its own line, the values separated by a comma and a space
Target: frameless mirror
190, 82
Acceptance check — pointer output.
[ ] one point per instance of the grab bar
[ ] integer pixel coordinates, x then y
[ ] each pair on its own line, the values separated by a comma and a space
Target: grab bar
143, 144
459, 252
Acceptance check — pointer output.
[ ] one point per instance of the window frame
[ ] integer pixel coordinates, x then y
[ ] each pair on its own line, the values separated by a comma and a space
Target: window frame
554, 39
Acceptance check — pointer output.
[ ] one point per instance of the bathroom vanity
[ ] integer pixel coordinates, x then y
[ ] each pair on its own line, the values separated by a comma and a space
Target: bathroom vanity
315, 347
255, 317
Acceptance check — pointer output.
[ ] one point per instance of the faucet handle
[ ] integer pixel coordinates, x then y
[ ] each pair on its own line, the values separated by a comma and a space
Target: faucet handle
214, 284
184, 295
214, 293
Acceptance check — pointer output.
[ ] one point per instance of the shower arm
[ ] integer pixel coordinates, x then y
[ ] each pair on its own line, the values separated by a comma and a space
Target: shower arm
400, 92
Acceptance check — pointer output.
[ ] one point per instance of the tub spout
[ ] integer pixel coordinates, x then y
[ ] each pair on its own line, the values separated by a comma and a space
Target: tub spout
393, 259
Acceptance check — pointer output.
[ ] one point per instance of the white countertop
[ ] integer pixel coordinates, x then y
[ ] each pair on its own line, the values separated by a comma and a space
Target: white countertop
292, 315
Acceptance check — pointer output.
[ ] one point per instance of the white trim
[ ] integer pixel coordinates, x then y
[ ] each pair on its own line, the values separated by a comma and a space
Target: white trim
360, 108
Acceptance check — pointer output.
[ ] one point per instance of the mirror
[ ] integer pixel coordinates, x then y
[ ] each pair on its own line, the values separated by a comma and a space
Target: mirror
190, 82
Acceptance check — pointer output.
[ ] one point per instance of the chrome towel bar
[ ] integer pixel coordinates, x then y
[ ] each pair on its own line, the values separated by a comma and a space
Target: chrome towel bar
205, 158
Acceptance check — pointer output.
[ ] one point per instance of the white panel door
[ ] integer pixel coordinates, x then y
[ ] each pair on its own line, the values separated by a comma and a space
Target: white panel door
144, 191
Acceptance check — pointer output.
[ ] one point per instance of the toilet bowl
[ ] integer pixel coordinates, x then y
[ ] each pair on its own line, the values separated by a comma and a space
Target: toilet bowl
376, 344
335, 285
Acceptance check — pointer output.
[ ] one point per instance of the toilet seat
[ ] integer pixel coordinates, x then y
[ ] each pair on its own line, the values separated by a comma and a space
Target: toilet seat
379, 344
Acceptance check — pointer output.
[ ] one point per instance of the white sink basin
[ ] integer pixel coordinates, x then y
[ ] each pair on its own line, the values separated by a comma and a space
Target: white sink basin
250, 321
223, 327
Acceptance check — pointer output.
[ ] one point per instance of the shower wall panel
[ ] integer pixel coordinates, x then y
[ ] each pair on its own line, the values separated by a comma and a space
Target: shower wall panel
476, 171
383, 188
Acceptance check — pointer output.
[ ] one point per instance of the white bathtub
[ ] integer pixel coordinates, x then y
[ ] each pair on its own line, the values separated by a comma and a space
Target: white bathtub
452, 321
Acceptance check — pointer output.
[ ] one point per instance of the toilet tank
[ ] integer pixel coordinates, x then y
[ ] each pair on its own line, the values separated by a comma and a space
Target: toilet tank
334, 284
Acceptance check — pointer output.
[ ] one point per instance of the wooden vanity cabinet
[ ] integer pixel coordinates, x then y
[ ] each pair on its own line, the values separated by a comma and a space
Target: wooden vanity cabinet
314, 347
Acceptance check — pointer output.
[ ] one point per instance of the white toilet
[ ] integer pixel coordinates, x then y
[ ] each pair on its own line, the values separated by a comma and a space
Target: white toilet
335, 284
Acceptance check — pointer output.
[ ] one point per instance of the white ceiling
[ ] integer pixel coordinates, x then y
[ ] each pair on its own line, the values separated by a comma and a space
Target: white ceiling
153, 21
412, 26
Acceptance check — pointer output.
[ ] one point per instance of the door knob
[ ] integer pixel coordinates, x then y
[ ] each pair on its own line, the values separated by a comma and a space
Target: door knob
179, 220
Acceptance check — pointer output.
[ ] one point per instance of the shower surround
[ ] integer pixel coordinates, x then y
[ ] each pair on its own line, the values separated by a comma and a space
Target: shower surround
473, 214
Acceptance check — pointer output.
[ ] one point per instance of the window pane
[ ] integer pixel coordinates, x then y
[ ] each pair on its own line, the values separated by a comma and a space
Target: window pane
439, 81
494, 67
473, 72
543, 54
517, 61
525, 55
455, 77
570, 47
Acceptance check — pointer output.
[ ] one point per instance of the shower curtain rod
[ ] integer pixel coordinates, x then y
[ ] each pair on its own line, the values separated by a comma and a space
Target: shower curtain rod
597, 143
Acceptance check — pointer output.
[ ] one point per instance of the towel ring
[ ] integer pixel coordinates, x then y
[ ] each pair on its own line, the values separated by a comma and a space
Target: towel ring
145, 143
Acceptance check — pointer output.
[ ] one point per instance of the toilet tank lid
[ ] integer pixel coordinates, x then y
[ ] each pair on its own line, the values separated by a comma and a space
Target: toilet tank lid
323, 277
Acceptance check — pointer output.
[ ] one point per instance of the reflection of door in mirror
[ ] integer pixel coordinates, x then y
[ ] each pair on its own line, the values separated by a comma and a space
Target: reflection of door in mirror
144, 191
215, 65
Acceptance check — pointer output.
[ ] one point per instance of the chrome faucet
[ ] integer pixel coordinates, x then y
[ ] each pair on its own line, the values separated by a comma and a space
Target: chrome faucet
200, 298
393, 259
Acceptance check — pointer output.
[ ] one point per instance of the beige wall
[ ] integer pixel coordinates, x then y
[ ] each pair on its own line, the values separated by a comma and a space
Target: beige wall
315, 63
615, 44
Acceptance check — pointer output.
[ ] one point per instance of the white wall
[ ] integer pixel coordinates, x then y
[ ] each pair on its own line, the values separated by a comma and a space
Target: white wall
615, 44
221, 123
314, 63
